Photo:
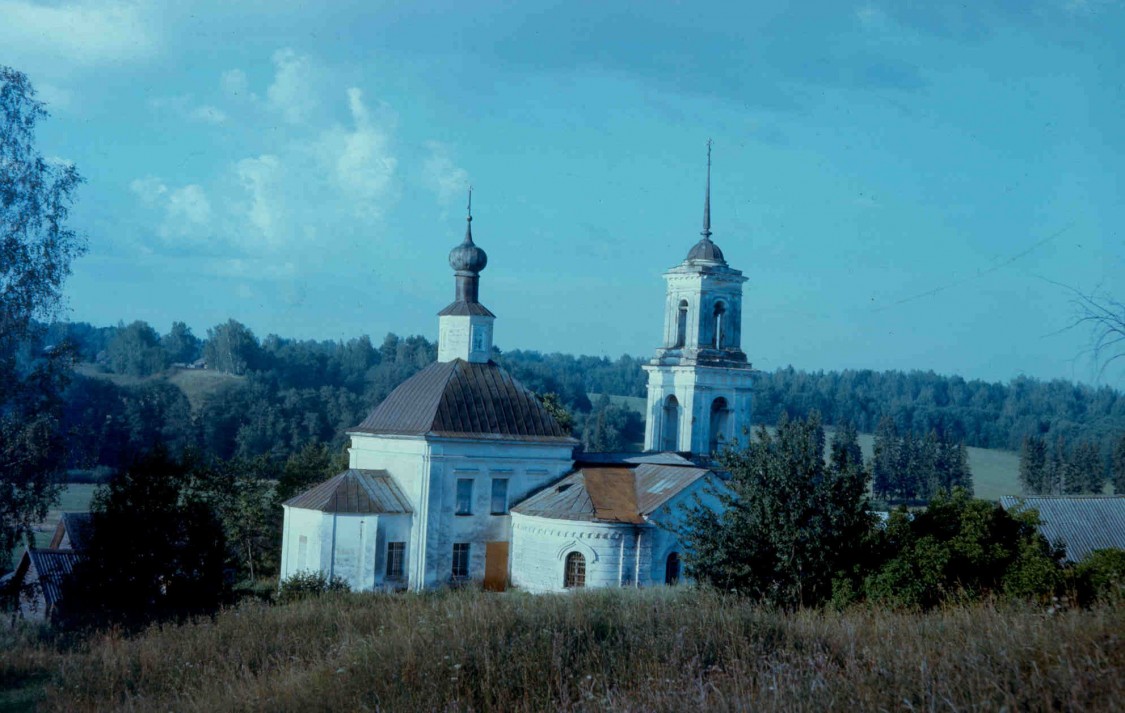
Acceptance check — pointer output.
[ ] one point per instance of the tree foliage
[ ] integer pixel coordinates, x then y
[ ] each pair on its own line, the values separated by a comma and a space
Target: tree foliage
37, 247
790, 524
910, 468
135, 350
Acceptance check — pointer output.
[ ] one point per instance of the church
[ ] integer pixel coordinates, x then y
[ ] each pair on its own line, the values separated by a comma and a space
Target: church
461, 475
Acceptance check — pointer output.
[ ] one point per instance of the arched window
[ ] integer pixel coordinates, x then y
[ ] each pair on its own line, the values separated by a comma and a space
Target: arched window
671, 424
681, 324
575, 571
720, 419
672, 568
720, 313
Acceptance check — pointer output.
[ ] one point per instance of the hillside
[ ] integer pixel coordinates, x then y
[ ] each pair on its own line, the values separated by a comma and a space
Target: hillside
196, 384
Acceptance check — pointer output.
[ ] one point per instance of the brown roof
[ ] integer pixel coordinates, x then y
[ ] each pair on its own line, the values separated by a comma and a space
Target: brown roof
460, 399
76, 528
616, 493
354, 491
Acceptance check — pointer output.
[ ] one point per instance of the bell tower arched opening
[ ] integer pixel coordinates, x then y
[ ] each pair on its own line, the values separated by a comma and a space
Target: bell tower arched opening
720, 421
719, 316
671, 424
681, 324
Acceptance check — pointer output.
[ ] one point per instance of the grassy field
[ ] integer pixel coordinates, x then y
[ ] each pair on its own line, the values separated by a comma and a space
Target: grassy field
196, 384
995, 472
622, 650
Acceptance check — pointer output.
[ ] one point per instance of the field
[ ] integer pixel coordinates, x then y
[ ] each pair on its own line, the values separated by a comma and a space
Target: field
654, 650
995, 472
195, 383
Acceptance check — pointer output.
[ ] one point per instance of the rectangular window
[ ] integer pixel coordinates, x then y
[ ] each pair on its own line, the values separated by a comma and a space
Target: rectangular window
478, 339
499, 496
464, 496
302, 552
396, 559
460, 560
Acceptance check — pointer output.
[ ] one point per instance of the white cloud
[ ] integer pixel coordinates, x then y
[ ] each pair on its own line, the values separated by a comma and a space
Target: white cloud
149, 189
359, 160
185, 108
261, 179
234, 83
293, 91
441, 175
84, 32
185, 214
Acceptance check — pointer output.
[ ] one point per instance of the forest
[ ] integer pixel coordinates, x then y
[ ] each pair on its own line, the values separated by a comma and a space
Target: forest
285, 393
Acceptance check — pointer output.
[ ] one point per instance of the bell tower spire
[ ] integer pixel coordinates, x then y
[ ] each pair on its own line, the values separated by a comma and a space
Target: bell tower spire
706, 232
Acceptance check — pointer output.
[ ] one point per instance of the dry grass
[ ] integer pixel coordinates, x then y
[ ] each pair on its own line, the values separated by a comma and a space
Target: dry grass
651, 650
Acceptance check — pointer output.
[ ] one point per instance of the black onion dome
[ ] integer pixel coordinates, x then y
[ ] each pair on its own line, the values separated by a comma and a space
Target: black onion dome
707, 250
467, 257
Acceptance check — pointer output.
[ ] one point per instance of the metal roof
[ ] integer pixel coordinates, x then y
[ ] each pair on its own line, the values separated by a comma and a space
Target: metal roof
463, 308
460, 399
354, 491
631, 458
615, 493
52, 567
1083, 524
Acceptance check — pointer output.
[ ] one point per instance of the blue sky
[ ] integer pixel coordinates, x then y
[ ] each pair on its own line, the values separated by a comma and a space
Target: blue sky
900, 181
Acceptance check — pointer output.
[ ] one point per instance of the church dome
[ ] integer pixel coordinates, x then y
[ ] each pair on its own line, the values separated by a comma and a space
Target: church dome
706, 250
467, 257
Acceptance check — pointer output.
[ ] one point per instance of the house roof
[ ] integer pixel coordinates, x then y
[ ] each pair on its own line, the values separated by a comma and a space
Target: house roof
460, 399
76, 527
52, 567
354, 491
613, 493
1083, 524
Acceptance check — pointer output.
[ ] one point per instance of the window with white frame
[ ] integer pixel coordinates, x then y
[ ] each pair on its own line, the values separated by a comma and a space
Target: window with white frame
396, 560
460, 560
464, 496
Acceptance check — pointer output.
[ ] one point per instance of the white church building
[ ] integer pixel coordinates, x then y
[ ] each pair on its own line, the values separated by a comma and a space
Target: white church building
462, 476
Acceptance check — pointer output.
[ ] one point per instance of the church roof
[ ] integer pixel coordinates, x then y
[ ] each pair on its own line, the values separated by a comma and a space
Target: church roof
612, 494
354, 491
52, 567
460, 399
463, 308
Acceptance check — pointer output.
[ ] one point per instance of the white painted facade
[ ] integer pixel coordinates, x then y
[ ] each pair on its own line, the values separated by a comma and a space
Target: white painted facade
350, 546
467, 337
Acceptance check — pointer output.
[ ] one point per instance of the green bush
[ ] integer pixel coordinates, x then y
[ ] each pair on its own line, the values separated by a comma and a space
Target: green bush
309, 584
1101, 576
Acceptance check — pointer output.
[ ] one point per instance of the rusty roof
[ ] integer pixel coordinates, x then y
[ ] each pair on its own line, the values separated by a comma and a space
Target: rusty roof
1081, 523
354, 491
615, 493
460, 399
51, 568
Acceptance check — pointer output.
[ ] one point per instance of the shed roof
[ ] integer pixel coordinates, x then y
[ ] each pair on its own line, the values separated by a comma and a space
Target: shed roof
460, 399
354, 491
52, 567
615, 493
1083, 524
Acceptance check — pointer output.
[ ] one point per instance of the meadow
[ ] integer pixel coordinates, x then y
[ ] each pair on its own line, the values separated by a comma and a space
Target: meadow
656, 650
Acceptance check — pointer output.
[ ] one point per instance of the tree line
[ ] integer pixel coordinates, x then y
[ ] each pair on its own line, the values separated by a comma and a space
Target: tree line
1059, 468
906, 467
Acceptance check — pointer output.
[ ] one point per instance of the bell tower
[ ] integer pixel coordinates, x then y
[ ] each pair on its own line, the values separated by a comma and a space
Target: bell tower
699, 382
465, 326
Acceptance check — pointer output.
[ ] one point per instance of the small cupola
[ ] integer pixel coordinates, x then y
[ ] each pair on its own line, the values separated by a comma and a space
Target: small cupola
465, 326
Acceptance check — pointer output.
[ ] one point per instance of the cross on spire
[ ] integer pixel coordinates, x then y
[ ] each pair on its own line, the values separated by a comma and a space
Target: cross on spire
706, 232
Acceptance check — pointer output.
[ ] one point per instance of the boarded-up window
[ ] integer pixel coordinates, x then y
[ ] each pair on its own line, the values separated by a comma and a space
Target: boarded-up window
464, 496
302, 552
499, 496
575, 570
396, 559
460, 560
672, 568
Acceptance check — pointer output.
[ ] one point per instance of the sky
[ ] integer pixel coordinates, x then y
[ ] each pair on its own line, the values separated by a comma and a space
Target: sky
907, 185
